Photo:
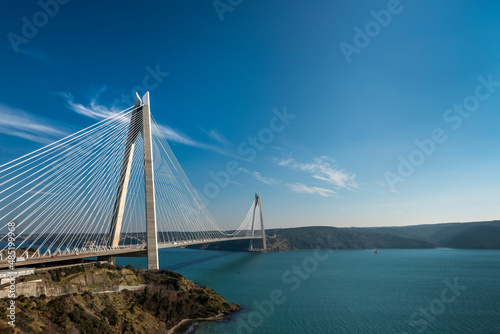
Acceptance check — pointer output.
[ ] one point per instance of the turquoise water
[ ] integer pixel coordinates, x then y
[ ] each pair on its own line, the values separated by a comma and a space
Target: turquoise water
357, 291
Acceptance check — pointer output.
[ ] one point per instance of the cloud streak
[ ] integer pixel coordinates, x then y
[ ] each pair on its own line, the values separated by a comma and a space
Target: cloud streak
302, 188
258, 176
217, 136
21, 124
39, 55
177, 137
295, 187
94, 110
324, 169
97, 111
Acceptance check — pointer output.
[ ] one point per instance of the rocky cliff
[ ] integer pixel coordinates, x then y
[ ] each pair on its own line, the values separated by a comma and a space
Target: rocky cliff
149, 301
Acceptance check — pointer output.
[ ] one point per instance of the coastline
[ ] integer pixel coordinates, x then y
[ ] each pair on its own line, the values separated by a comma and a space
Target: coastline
184, 325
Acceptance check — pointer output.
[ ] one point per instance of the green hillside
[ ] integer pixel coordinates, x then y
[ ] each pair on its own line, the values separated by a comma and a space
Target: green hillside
166, 300
325, 237
476, 235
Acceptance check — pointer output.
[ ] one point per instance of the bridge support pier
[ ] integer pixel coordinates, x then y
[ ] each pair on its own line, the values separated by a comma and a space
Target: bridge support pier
257, 202
140, 123
149, 180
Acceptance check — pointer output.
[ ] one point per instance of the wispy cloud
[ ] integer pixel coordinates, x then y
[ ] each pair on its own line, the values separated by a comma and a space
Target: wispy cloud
22, 124
302, 188
217, 136
178, 137
98, 111
295, 187
39, 55
93, 110
322, 168
258, 176
386, 187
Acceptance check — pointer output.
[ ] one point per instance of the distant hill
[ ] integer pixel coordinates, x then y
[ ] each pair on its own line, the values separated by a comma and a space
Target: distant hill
340, 238
476, 235
325, 237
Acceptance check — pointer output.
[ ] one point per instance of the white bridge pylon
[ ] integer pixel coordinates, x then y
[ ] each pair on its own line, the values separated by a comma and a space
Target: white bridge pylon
140, 122
257, 203
111, 189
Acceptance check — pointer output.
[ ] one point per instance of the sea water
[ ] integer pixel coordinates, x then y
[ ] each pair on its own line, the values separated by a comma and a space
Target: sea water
347, 291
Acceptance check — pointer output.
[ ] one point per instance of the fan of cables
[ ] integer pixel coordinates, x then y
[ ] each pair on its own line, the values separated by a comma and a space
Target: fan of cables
61, 197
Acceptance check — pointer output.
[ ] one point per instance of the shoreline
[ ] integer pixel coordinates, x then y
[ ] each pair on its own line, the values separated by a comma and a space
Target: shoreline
185, 324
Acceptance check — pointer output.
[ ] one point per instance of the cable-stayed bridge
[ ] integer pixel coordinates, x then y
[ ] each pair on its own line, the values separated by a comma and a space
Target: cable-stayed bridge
112, 189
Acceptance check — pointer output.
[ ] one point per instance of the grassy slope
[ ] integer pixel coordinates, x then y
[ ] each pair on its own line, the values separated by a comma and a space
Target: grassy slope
167, 300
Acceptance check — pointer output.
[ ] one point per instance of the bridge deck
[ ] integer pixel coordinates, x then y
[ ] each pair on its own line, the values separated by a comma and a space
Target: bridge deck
121, 252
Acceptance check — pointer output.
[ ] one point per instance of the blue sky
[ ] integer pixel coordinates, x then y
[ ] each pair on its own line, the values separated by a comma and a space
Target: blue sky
219, 73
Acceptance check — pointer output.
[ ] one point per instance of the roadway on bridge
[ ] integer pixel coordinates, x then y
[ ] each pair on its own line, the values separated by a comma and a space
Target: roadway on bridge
129, 251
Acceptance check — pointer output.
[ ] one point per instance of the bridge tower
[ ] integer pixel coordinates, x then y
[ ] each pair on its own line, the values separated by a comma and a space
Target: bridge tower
140, 123
257, 202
